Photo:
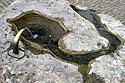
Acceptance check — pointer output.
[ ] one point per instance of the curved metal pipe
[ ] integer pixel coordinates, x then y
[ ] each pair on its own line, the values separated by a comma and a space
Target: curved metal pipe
16, 41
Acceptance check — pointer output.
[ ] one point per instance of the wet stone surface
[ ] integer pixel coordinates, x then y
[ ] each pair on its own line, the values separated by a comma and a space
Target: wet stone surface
39, 68
48, 36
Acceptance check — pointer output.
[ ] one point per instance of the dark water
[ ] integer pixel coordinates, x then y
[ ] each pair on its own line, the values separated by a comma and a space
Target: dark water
44, 37
46, 41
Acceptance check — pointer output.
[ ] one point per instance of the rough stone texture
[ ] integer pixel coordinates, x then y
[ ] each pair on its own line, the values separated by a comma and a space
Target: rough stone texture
111, 68
44, 68
4, 4
115, 8
41, 68
37, 69
71, 20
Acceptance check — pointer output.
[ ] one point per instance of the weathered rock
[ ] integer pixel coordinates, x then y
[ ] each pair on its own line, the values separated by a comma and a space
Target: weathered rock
115, 8
37, 68
45, 68
4, 4
111, 68
72, 21
13, 70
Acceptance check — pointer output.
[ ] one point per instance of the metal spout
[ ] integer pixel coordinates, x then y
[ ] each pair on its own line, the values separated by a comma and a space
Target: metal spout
16, 40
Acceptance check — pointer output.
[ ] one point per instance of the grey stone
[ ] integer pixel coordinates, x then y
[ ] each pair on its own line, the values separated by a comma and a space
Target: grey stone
44, 68
115, 8
111, 68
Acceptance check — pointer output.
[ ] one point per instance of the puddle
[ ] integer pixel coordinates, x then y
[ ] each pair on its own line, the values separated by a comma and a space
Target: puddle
46, 33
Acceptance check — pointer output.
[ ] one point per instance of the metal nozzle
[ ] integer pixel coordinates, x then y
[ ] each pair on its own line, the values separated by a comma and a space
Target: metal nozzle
16, 40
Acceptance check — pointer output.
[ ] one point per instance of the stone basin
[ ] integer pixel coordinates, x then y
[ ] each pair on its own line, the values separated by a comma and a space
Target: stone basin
42, 30
76, 39
46, 34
